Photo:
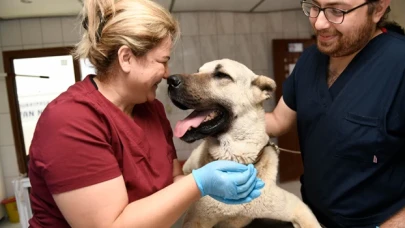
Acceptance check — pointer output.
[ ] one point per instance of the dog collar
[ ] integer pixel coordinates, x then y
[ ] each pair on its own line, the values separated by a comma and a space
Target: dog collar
269, 143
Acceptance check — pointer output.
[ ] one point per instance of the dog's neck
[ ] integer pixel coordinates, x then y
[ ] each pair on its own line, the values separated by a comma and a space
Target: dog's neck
243, 142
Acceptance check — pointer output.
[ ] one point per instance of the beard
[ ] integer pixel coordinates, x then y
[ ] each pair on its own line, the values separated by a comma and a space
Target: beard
346, 44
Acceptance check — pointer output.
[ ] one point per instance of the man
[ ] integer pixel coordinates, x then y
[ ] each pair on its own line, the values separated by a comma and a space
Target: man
347, 95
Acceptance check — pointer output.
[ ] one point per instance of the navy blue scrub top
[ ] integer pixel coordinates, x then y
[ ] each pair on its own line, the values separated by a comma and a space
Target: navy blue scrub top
352, 135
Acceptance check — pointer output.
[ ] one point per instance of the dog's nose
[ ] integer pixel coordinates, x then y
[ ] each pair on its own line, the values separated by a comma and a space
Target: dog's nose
174, 81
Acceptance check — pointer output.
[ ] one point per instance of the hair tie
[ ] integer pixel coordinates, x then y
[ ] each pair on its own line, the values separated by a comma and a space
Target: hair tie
85, 24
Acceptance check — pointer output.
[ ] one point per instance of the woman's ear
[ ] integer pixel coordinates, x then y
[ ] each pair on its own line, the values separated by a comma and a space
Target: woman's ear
125, 56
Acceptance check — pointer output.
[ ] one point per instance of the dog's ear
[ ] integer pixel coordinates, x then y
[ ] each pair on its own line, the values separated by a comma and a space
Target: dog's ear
266, 85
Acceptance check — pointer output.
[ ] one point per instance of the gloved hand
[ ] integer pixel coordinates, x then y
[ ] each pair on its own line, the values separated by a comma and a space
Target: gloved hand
228, 182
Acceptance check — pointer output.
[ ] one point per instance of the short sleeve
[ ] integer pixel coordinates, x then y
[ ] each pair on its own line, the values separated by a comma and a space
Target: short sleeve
396, 120
166, 127
71, 148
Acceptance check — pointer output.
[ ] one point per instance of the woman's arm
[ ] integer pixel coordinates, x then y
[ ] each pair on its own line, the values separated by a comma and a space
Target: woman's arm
106, 205
177, 171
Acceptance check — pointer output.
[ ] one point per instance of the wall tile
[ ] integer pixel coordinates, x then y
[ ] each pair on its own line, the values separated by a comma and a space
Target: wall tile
179, 144
6, 131
191, 54
258, 23
182, 155
189, 24
12, 48
10, 33
31, 31
260, 51
71, 30
0, 38
261, 72
289, 22
226, 46
303, 22
274, 22
51, 30
193, 146
3, 96
176, 65
207, 23
161, 93
8, 159
32, 46
271, 37
242, 23
9, 185
305, 35
51, 45
225, 23
1, 61
290, 35
243, 52
209, 48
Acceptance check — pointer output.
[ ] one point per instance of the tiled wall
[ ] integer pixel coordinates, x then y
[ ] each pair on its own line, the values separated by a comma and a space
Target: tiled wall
205, 36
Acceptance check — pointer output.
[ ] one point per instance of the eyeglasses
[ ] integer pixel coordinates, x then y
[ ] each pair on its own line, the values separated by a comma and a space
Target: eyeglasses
333, 15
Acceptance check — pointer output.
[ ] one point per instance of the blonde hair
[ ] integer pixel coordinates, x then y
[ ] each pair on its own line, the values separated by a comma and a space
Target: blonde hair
139, 24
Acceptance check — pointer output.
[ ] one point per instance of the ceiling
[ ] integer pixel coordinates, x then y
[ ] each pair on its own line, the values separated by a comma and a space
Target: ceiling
11, 9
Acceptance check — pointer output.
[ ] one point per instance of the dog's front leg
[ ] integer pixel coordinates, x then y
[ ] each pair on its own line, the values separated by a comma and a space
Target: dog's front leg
285, 206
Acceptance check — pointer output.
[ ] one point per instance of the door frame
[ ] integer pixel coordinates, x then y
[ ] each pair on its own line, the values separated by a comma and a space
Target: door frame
8, 57
290, 164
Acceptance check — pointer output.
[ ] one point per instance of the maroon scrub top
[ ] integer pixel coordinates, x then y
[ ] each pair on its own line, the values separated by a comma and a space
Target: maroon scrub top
83, 139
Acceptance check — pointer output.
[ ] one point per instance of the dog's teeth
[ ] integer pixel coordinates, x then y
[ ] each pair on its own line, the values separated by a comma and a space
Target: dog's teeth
211, 116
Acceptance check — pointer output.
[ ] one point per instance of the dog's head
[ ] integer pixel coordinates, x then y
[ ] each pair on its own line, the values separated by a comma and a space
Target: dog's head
220, 92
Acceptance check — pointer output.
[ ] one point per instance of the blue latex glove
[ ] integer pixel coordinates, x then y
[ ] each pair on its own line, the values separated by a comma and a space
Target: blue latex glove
228, 182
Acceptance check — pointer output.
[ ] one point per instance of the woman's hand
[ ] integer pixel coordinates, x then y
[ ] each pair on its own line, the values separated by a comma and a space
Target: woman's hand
228, 182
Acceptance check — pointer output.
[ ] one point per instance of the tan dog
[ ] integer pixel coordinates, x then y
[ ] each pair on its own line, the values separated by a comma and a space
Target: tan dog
229, 116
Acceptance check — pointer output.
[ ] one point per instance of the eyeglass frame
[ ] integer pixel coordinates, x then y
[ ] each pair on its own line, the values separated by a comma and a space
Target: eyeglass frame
344, 12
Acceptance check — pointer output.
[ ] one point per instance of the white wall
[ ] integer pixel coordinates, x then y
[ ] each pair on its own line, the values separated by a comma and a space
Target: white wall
205, 36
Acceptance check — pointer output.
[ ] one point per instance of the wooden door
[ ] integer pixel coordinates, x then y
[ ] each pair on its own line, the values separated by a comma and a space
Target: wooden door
285, 56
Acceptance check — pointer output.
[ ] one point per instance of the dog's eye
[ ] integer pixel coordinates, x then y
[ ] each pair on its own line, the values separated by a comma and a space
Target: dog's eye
221, 75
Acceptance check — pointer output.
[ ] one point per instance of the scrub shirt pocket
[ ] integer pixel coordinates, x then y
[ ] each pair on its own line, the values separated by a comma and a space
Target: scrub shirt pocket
358, 138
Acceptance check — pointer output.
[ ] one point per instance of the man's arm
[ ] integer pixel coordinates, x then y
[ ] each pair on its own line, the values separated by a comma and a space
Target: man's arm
396, 221
280, 120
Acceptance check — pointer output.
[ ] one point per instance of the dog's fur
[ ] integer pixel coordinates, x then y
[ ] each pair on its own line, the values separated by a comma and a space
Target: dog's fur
237, 135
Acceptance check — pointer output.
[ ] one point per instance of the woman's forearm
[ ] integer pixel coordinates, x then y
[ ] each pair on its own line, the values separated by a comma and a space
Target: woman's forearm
161, 209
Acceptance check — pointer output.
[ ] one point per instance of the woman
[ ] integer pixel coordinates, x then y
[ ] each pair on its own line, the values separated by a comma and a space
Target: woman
102, 153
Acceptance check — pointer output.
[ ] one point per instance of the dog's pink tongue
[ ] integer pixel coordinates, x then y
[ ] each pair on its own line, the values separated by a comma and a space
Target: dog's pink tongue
192, 120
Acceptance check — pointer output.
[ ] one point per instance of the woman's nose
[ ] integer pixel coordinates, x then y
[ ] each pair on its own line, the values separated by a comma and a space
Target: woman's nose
174, 81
